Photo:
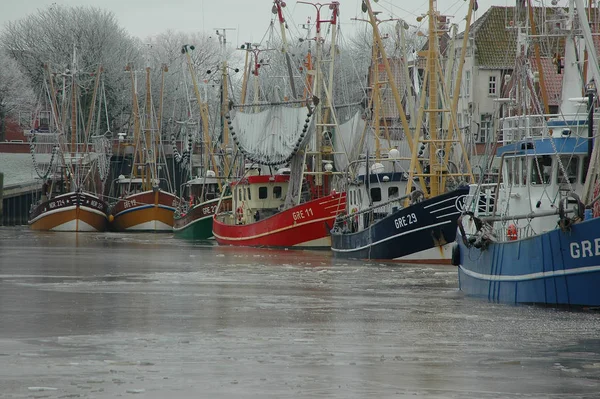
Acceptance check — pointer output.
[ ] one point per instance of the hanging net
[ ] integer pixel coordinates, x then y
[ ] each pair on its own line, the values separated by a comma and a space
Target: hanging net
347, 143
273, 136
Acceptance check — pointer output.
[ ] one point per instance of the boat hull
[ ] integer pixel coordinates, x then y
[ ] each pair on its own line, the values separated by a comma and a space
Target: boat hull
552, 268
197, 223
420, 233
74, 211
146, 211
303, 226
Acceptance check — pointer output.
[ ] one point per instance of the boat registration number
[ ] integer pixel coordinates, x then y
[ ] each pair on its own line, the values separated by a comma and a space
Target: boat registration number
405, 220
129, 204
209, 210
56, 203
303, 214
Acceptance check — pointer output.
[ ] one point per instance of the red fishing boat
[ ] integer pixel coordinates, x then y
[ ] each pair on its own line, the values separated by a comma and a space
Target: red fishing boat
295, 205
256, 220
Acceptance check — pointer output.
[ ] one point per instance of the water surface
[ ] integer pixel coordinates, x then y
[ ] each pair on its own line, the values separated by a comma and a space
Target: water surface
149, 316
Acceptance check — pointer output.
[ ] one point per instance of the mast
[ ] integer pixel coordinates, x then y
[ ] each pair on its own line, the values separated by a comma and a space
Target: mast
438, 141
538, 59
247, 69
73, 108
278, 9
93, 102
325, 114
136, 123
592, 172
203, 114
149, 161
390, 76
224, 98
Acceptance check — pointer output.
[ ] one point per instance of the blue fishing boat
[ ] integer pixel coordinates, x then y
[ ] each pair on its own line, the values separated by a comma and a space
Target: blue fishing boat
403, 201
534, 235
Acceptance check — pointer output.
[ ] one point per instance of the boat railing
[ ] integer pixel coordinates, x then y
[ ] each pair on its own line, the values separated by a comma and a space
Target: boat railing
376, 212
515, 128
509, 232
481, 199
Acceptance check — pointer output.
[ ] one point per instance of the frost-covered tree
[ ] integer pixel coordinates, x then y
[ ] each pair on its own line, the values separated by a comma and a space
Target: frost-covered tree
50, 36
16, 94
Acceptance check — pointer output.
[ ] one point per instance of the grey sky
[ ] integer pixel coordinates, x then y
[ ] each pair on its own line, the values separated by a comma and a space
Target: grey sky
249, 18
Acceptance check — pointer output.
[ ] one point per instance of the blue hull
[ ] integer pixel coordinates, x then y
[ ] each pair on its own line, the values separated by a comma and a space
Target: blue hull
553, 268
419, 227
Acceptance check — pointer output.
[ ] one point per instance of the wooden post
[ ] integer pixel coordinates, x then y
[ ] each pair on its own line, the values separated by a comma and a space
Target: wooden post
1, 195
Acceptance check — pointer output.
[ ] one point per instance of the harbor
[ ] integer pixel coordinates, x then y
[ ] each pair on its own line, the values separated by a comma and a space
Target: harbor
408, 210
201, 320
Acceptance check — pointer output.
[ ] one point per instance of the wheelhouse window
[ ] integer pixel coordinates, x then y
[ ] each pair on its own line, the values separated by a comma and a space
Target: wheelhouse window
586, 165
570, 165
393, 192
277, 192
376, 194
524, 174
512, 177
541, 170
263, 192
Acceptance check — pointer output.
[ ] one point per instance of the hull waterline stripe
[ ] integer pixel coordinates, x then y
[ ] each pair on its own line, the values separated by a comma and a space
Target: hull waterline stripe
192, 223
448, 214
437, 203
443, 209
390, 238
65, 209
137, 208
530, 276
272, 231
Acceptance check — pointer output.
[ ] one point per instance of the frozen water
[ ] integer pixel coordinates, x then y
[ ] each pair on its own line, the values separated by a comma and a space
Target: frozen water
145, 315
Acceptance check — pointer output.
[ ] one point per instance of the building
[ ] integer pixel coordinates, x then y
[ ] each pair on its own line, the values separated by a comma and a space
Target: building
494, 47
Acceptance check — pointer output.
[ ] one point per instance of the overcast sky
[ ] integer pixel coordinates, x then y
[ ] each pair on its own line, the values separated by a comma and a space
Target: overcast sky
250, 19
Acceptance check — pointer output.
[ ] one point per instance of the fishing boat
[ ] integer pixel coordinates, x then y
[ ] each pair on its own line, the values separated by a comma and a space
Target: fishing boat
144, 199
286, 196
74, 178
403, 204
533, 236
201, 192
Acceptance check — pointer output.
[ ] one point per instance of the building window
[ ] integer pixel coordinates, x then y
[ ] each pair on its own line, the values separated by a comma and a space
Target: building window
467, 83
492, 86
262, 193
485, 128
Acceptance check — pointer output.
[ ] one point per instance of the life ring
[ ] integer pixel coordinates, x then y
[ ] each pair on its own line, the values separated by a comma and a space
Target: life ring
511, 232
240, 213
